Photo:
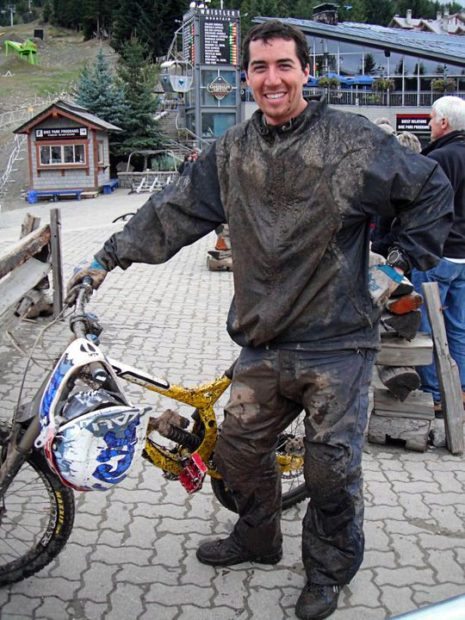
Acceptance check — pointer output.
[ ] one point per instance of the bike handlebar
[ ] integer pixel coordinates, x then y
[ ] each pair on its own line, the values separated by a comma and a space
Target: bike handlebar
79, 322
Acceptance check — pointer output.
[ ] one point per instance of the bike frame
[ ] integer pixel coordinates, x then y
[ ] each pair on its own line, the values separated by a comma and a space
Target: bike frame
202, 398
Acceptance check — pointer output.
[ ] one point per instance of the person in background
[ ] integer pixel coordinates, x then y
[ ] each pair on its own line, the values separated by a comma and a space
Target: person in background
189, 159
409, 140
447, 148
298, 184
383, 235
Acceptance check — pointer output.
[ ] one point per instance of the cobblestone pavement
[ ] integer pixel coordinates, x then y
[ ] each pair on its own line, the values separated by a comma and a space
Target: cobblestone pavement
132, 551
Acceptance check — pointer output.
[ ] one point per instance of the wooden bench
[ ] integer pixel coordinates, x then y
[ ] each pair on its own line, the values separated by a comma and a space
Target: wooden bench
34, 195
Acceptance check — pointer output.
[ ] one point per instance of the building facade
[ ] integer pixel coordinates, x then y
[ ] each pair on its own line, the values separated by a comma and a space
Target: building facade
68, 149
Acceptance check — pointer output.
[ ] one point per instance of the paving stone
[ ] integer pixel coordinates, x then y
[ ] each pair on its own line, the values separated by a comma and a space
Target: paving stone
435, 594
397, 599
169, 595
407, 551
132, 551
397, 577
415, 507
445, 565
127, 600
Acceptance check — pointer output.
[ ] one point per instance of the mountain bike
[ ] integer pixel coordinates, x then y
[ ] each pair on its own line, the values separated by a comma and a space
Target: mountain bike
37, 503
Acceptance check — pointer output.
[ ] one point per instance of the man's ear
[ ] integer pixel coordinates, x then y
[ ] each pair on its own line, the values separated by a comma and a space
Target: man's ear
306, 73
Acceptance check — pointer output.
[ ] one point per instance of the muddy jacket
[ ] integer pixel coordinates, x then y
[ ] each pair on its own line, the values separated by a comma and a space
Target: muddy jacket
298, 200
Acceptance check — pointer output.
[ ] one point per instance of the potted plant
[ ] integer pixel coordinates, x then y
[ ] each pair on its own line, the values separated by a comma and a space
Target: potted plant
383, 84
443, 85
328, 82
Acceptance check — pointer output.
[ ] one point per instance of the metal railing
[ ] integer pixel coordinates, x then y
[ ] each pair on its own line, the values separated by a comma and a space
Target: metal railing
29, 109
19, 142
367, 97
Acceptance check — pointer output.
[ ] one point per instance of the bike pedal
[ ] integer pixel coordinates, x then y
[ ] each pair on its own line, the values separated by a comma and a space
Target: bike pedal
193, 473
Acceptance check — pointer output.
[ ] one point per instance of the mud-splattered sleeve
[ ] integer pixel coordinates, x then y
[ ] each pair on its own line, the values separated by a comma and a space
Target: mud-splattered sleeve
183, 212
414, 191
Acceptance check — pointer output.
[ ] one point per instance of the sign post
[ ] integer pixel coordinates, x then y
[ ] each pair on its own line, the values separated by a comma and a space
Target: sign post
211, 42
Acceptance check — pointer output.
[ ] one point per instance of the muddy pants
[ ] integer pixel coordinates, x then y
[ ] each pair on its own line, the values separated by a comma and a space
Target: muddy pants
270, 388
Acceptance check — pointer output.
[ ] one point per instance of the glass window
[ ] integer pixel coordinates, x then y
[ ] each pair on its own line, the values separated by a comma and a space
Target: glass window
101, 152
79, 154
68, 154
45, 155
210, 77
214, 124
56, 155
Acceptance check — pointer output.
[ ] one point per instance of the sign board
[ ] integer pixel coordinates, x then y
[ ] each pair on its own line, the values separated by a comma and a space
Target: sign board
219, 36
416, 123
60, 133
219, 88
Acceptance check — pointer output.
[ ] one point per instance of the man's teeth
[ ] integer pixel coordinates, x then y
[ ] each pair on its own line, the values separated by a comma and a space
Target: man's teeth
275, 96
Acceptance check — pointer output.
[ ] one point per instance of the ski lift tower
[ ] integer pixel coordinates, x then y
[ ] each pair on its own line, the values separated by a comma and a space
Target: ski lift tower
211, 44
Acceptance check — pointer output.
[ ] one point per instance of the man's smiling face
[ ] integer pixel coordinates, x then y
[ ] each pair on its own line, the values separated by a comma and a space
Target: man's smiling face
276, 78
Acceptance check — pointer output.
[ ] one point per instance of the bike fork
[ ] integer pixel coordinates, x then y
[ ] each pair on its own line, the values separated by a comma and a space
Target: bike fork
16, 454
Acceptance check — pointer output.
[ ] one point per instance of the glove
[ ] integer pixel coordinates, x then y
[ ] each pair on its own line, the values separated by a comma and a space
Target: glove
95, 271
382, 282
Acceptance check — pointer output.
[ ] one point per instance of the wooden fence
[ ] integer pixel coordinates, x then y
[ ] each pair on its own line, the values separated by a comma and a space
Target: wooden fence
24, 265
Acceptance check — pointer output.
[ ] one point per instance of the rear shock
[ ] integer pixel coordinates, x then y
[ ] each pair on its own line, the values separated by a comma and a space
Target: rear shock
183, 438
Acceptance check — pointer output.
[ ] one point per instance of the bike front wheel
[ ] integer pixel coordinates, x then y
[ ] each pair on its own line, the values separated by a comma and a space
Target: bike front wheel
290, 457
36, 517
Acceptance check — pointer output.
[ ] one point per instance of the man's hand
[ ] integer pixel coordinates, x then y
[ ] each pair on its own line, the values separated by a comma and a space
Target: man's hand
382, 282
95, 271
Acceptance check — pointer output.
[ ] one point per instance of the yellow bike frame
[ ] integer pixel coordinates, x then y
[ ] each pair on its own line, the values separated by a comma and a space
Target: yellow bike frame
202, 398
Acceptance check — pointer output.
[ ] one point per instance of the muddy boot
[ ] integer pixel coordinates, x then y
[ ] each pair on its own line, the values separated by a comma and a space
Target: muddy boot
219, 260
227, 552
317, 601
404, 325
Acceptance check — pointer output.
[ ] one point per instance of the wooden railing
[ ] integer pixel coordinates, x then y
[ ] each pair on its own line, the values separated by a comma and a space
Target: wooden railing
24, 265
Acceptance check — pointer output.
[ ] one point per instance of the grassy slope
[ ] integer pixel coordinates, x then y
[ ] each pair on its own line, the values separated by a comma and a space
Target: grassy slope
60, 59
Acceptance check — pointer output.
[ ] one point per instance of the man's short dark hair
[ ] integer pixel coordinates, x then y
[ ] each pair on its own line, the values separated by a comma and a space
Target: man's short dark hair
274, 29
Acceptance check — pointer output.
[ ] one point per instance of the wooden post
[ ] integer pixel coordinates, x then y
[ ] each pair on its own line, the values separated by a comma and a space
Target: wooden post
57, 263
447, 371
30, 223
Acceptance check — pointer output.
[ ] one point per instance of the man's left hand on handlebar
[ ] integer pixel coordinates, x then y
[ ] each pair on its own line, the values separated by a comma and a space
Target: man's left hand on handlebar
95, 271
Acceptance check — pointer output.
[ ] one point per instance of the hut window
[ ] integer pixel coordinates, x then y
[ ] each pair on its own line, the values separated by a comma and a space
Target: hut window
57, 154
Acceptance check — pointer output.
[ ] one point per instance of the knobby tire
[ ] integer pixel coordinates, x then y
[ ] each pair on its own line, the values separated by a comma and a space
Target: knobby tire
36, 518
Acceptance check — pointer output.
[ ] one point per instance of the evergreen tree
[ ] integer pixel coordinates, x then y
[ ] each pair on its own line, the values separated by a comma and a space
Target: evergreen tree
302, 9
378, 12
99, 92
137, 78
125, 23
356, 12
97, 17
264, 8
369, 64
151, 21
66, 13
157, 25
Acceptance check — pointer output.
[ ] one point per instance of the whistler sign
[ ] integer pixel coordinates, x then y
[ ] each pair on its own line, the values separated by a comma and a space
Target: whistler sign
219, 88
